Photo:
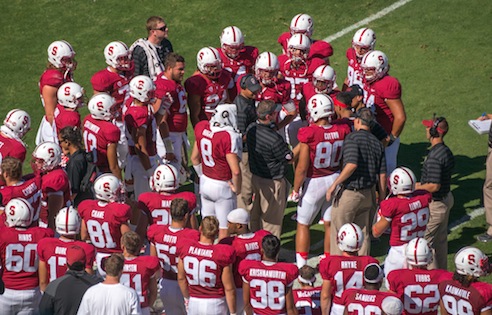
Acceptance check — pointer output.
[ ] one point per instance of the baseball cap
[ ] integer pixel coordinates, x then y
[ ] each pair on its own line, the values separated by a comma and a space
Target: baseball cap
251, 83
75, 254
392, 305
373, 273
442, 126
355, 90
238, 215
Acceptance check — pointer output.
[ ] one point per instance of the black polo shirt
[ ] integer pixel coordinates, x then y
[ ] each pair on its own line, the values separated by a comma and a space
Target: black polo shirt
437, 169
367, 152
246, 114
268, 153
76, 168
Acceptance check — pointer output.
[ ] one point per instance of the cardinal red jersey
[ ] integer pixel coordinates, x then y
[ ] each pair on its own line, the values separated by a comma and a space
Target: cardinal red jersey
19, 257
344, 272
211, 92
408, 216
268, 283
53, 251
28, 188
325, 147
137, 272
65, 118
418, 289
309, 91
298, 76
98, 135
247, 246
52, 77
376, 94
239, 66
278, 91
158, 206
214, 146
136, 117
203, 265
177, 119
354, 70
165, 240
113, 83
320, 49
458, 299
362, 301
54, 182
307, 300
103, 221
12, 147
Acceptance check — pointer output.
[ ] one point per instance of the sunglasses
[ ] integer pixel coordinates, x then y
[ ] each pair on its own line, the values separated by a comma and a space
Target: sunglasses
164, 28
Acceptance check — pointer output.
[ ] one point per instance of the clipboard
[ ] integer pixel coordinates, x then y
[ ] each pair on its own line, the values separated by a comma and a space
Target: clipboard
480, 126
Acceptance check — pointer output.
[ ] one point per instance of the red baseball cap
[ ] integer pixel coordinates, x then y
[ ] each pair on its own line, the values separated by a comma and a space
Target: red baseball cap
75, 254
442, 126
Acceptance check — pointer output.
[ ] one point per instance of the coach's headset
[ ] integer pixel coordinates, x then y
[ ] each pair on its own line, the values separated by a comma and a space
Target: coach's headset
242, 82
434, 130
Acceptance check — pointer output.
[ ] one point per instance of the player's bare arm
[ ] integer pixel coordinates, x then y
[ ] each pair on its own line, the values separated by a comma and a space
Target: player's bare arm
141, 147
398, 111
380, 226
50, 101
195, 105
289, 302
233, 161
248, 310
113, 160
302, 165
55, 203
325, 297
229, 288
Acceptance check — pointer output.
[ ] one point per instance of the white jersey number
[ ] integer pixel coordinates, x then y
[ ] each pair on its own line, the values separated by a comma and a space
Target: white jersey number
411, 221
269, 294
135, 283
206, 148
162, 253
328, 154
200, 272
354, 282
100, 234
456, 307
21, 258
416, 304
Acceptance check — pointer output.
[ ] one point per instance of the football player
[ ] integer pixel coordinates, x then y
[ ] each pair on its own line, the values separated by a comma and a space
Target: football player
406, 212
307, 296
345, 271
105, 219
323, 82
205, 272
209, 86
15, 126
363, 41
383, 92
19, 259
465, 294
318, 166
140, 133
55, 184
236, 58
52, 252
367, 299
217, 151
61, 64
163, 243
101, 136
70, 97
247, 245
114, 81
139, 272
416, 286
267, 284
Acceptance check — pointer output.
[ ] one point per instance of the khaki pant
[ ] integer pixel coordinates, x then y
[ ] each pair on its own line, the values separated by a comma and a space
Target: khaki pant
353, 207
487, 192
436, 233
245, 198
270, 199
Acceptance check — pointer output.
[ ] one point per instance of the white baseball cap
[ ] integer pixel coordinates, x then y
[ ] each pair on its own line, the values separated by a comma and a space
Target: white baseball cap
238, 215
392, 305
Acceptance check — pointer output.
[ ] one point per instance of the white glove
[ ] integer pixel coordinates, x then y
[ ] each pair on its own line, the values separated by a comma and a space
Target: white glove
294, 196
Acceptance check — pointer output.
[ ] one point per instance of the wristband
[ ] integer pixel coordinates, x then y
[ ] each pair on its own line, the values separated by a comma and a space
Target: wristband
198, 169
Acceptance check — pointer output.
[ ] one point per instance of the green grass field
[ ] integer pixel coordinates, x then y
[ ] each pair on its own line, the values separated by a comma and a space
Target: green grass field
439, 50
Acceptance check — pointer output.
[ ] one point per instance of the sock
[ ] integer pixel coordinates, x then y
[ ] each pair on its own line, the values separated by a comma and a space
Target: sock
301, 259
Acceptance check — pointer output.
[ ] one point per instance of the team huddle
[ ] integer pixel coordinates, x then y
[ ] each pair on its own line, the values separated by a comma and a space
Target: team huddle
103, 226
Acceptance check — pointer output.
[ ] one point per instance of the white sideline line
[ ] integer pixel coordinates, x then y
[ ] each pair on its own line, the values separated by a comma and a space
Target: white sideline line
371, 18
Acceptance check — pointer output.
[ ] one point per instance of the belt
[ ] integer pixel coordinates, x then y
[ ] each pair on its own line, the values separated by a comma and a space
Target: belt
355, 188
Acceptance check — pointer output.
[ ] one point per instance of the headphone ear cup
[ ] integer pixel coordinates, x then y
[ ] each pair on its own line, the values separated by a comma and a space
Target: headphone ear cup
242, 83
433, 130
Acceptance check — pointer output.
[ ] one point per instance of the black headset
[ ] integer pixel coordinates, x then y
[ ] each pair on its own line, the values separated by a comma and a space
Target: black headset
435, 131
242, 82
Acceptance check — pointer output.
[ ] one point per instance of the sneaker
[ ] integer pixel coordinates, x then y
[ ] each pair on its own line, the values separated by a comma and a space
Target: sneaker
485, 238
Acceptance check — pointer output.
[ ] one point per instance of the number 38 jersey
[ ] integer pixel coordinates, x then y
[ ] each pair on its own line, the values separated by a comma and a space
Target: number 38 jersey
325, 147
461, 300
418, 289
268, 284
103, 221
19, 256
203, 265
344, 272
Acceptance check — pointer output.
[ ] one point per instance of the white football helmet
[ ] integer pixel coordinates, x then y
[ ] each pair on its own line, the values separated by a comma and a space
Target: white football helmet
302, 23
350, 237
320, 106
67, 221
232, 41
402, 181
19, 213
102, 106
225, 115
471, 261
374, 65
108, 187
364, 38
71, 95
165, 178
298, 47
418, 252
266, 67
18, 122
324, 78
61, 55
209, 62
142, 88
117, 55
47, 156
